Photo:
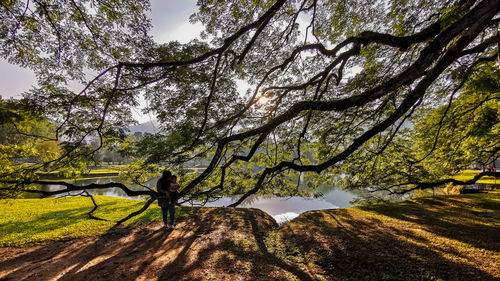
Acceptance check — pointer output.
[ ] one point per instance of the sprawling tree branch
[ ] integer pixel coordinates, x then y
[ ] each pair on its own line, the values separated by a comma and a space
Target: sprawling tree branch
427, 57
427, 185
69, 187
397, 74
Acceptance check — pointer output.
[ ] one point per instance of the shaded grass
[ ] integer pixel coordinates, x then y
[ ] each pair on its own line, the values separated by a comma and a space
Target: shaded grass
434, 238
28, 221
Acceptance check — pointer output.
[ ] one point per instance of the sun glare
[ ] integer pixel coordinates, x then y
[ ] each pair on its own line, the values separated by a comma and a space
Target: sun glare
263, 100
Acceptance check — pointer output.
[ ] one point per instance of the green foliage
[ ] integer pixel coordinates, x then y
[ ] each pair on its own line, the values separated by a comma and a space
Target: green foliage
62, 41
139, 172
443, 141
26, 136
65, 37
465, 132
451, 14
336, 88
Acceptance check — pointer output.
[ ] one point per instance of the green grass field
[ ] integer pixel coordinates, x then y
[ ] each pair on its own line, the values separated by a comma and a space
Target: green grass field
28, 221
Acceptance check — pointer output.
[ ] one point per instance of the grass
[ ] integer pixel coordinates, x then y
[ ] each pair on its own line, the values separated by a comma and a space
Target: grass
433, 238
469, 174
28, 221
91, 172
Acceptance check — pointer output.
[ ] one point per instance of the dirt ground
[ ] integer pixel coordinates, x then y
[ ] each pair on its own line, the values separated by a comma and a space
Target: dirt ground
213, 244
457, 238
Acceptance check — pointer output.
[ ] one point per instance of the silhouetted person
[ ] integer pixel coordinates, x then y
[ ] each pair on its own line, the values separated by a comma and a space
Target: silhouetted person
163, 187
172, 196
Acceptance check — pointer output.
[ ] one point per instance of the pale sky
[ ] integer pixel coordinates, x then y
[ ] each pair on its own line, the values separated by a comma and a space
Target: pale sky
170, 22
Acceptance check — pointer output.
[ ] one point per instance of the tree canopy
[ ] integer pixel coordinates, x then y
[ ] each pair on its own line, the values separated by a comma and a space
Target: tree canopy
335, 88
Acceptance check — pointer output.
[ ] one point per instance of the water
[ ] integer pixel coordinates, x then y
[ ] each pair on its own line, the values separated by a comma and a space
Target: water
281, 209
285, 209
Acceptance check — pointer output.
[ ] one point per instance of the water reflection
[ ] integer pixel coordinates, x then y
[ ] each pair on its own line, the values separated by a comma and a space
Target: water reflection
285, 209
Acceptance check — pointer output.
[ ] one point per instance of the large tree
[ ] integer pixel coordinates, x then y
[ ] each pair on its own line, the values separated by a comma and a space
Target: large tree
330, 82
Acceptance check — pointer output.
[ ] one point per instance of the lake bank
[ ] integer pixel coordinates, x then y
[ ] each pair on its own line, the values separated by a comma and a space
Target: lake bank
443, 237
281, 208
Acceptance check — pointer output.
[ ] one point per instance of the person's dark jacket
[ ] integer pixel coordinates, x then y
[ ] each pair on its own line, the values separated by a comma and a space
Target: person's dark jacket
162, 187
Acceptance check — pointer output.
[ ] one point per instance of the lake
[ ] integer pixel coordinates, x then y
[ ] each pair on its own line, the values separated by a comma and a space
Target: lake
281, 209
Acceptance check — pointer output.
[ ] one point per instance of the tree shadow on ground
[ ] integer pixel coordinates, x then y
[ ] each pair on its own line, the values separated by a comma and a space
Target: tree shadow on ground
213, 243
396, 243
231, 248
430, 240
456, 217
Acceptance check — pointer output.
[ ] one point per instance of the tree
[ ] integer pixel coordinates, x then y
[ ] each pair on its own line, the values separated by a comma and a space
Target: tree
466, 130
321, 93
444, 141
24, 135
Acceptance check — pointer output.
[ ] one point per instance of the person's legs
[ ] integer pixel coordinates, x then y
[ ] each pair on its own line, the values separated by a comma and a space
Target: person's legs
164, 213
171, 210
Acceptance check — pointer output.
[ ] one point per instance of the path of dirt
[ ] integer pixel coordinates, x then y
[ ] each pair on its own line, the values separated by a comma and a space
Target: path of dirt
214, 244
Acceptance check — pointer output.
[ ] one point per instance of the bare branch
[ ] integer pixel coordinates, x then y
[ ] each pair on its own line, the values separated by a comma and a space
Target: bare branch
136, 213
91, 216
69, 187
94, 36
426, 185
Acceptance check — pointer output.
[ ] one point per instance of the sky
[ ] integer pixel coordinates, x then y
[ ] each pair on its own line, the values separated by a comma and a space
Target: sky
170, 22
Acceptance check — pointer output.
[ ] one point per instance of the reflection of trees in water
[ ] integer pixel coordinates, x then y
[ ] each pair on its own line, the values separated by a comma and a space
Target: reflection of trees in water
251, 199
368, 194
331, 194
365, 194
335, 195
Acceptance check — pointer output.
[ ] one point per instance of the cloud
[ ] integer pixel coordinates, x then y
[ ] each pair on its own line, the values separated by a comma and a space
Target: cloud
285, 217
171, 21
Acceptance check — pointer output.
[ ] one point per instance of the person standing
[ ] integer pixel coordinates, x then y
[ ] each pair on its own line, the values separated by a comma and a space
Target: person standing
163, 188
172, 196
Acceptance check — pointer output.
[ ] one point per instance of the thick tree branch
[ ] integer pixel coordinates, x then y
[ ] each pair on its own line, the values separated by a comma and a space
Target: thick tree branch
69, 187
227, 42
451, 55
136, 213
91, 216
427, 185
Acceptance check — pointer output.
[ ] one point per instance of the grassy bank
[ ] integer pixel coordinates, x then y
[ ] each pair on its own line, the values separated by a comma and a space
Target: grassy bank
435, 238
94, 173
469, 174
28, 221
